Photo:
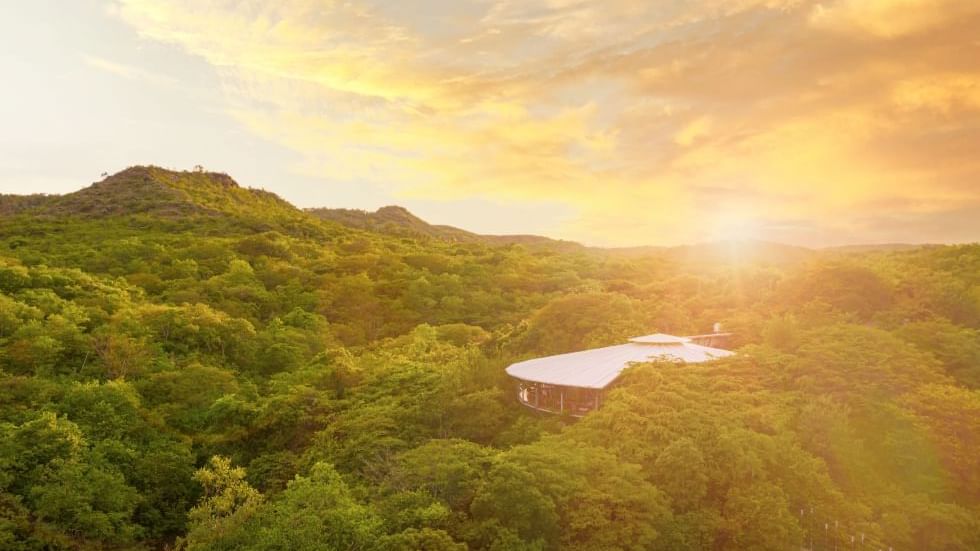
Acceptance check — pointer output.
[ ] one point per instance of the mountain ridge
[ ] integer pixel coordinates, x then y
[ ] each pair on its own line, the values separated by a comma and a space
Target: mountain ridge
148, 189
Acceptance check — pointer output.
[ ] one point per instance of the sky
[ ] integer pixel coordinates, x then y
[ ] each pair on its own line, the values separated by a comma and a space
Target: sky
617, 123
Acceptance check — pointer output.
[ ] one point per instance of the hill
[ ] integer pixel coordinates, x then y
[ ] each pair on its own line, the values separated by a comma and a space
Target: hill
396, 220
157, 191
181, 200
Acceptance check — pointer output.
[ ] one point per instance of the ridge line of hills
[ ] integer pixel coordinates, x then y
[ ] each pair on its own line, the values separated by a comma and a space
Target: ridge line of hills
167, 193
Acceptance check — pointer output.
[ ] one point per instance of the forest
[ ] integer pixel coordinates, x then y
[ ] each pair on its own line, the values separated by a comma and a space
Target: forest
189, 364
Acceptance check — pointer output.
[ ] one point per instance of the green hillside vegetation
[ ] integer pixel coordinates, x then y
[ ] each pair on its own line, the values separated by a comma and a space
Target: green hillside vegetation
395, 220
186, 363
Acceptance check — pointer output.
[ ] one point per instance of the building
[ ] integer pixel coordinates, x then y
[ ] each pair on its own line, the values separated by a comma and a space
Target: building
573, 383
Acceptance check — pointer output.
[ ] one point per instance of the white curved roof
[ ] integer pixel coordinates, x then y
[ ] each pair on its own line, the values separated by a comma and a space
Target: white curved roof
660, 338
598, 367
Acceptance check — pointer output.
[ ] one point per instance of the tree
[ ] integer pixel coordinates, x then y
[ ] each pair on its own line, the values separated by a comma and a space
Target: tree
958, 348
577, 322
680, 471
952, 415
757, 517
221, 519
509, 497
316, 512
86, 498
449, 470
425, 539
601, 501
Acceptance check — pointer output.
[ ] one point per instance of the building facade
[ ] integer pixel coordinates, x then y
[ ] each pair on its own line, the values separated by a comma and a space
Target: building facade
573, 383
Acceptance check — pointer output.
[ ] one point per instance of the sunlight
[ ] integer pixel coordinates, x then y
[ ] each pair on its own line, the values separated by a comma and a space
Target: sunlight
485, 275
734, 226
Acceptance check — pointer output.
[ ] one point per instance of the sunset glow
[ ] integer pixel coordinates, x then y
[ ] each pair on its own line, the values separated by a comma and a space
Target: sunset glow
613, 123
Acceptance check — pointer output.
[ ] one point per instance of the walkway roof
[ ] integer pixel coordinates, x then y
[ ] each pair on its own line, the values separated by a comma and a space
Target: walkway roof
598, 367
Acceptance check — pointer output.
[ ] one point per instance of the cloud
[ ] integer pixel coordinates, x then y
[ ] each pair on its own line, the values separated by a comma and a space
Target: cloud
890, 18
692, 131
126, 71
656, 122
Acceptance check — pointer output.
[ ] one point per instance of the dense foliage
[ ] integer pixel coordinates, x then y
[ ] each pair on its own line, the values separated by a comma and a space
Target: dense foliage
187, 363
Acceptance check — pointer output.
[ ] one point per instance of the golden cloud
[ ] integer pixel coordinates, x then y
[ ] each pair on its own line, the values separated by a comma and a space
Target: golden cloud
890, 18
658, 122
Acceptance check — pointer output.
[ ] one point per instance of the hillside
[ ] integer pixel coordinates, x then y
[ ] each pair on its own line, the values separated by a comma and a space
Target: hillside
875, 247
186, 363
182, 194
395, 220
148, 189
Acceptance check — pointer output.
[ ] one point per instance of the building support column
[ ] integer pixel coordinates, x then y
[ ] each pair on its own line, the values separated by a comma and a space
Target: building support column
561, 401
